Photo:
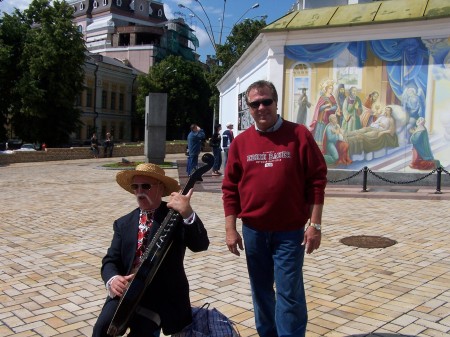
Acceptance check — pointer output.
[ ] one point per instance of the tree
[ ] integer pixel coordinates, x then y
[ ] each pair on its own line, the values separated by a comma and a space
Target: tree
240, 38
187, 94
49, 73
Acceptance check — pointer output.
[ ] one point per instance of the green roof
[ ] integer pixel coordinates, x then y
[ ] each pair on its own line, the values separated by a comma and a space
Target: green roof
360, 14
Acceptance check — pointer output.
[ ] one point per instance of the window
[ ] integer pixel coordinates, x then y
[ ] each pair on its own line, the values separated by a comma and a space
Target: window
105, 2
141, 7
119, 3
121, 102
74, 9
95, 4
160, 12
113, 101
104, 99
89, 97
81, 6
80, 28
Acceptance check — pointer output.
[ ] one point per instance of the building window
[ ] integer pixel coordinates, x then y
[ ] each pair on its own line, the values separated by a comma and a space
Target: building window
113, 101
119, 3
89, 98
80, 28
74, 9
141, 7
105, 2
95, 4
104, 99
81, 6
121, 101
160, 12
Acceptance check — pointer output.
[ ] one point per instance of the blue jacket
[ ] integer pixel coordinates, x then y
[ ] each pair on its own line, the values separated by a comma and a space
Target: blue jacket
195, 142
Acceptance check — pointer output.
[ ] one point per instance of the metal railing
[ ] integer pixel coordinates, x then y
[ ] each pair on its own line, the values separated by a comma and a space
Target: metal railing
365, 170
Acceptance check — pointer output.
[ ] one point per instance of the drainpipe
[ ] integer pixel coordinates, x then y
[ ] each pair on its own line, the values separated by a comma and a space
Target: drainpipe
95, 97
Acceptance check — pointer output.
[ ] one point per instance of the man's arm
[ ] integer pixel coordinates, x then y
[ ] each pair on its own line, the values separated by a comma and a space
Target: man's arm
232, 237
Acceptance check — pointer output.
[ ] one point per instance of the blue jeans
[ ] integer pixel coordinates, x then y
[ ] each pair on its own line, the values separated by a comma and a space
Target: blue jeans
217, 152
192, 164
277, 257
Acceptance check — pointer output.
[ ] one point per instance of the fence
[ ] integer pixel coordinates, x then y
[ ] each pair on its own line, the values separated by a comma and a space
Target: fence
365, 170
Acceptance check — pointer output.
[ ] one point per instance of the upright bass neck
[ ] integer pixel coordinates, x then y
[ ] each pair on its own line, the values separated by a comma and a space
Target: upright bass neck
152, 258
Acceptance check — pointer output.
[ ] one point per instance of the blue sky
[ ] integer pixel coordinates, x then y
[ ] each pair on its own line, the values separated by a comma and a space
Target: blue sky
234, 10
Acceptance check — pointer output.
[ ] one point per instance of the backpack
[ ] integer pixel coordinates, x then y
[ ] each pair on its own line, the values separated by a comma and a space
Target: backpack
209, 323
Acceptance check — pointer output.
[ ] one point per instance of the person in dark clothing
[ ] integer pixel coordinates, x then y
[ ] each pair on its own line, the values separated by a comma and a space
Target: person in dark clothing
217, 151
165, 303
195, 139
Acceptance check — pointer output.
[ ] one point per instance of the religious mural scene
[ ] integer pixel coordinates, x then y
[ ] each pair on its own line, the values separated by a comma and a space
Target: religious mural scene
382, 104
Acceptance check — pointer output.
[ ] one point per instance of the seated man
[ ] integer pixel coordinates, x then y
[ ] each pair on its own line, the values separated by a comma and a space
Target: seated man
165, 302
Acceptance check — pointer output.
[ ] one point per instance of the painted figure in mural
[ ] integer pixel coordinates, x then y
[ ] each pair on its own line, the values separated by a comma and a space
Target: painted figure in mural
413, 103
340, 98
422, 155
351, 111
370, 109
326, 105
380, 134
334, 148
303, 105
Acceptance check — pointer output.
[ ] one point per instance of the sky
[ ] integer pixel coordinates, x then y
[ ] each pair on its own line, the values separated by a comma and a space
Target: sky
234, 10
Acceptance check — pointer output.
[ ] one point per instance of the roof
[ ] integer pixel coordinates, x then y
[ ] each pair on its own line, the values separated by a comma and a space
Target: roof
362, 14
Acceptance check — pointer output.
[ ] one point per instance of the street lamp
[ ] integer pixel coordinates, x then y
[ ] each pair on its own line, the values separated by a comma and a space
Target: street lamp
211, 37
256, 5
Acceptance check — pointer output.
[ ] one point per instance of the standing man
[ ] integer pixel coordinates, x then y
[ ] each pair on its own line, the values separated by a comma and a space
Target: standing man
275, 182
165, 302
227, 138
195, 139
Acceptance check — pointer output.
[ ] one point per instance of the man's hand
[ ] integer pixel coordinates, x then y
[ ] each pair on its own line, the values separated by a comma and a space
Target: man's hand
181, 203
312, 239
119, 284
234, 240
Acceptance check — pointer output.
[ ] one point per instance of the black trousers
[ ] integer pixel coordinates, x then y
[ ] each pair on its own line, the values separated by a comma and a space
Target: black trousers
140, 326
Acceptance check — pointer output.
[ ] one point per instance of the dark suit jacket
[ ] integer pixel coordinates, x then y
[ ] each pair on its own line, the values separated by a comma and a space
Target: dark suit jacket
168, 293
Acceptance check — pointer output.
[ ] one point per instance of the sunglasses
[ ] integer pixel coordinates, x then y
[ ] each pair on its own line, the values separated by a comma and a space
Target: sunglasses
134, 187
256, 104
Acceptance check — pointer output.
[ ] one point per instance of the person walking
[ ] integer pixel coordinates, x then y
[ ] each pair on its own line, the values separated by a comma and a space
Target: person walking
217, 151
165, 303
108, 145
195, 139
227, 138
94, 145
275, 183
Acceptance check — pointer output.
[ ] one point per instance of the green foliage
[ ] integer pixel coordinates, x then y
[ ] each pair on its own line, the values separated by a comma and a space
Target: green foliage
187, 90
49, 54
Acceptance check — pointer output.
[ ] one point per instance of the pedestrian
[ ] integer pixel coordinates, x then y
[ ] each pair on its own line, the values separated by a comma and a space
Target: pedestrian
227, 138
94, 145
165, 304
274, 182
108, 145
195, 139
217, 151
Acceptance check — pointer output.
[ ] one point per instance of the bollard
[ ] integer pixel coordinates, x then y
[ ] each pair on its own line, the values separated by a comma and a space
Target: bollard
365, 170
438, 181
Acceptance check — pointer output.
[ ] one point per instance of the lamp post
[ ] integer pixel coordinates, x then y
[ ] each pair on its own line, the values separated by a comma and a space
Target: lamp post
256, 5
210, 36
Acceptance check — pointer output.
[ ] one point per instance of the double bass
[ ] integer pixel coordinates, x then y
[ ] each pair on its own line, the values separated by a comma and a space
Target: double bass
152, 258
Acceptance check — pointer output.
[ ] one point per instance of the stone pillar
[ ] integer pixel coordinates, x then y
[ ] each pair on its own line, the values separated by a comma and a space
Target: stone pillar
155, 127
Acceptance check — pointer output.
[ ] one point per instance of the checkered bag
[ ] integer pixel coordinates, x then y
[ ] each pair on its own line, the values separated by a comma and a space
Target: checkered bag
209, 323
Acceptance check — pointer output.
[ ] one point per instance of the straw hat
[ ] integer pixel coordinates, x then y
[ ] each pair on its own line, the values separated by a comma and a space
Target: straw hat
125, 178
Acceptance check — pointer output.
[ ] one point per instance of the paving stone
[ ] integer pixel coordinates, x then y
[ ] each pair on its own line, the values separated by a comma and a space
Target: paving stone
51, 286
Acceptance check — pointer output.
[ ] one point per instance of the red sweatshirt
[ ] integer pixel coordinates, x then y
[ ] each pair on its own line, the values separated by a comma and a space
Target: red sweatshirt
272, 178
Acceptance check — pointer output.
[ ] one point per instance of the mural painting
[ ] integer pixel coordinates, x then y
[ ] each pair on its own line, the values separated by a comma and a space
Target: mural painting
245, 120
382, 104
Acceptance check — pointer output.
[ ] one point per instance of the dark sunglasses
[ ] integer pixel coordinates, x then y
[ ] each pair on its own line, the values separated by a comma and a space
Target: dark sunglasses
256, 104
134, 187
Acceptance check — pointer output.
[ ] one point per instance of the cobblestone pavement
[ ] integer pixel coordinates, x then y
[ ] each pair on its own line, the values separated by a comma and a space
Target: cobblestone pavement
56, 224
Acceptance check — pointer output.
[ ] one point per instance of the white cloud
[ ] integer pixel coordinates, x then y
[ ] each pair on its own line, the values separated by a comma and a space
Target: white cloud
8, 6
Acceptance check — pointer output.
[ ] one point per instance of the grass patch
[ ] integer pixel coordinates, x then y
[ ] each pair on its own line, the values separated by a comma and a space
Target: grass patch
133, 164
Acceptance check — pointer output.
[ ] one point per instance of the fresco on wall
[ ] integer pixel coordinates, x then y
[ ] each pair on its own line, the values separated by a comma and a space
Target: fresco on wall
382, 104
245, 120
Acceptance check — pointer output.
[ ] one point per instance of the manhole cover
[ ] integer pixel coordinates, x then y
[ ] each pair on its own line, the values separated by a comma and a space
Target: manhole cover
367, 241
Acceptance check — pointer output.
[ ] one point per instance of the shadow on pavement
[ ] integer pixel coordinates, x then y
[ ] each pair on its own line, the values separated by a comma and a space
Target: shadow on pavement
381, 334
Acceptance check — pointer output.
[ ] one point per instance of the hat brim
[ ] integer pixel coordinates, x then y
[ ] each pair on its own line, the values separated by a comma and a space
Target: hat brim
125, 179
